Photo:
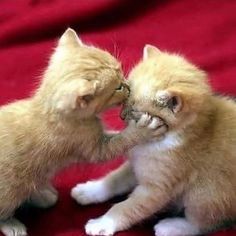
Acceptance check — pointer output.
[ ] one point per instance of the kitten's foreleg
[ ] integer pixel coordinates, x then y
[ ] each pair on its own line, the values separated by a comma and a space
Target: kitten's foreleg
142, 203
45, 197
135, 133
119, 181
12, 227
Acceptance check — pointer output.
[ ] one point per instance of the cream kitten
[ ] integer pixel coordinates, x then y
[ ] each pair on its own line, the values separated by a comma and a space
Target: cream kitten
58, 124
192, 167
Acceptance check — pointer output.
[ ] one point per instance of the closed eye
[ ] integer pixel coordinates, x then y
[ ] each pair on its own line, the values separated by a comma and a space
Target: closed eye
121, 87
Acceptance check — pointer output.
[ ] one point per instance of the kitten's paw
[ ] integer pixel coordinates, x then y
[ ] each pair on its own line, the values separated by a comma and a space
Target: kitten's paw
151, 122
149, 127
90, 192
175, 227
13, 227
144, 120
102, 226
45, 198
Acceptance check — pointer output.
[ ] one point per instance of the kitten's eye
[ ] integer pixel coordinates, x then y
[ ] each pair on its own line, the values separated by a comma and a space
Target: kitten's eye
121, 87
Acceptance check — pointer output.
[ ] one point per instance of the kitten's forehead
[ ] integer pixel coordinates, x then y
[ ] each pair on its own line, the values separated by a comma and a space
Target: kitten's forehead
163, 72
104, 58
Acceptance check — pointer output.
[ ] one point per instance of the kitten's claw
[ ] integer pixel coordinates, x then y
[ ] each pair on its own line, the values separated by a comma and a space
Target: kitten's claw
144, 120
13, 227
102, 226
155, 123
147, 127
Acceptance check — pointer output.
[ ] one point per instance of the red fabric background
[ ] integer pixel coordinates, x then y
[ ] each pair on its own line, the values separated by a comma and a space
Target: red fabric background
204, 31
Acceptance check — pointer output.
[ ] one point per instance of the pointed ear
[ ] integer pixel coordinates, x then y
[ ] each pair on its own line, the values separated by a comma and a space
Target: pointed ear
150, 51
169, 99
70, 38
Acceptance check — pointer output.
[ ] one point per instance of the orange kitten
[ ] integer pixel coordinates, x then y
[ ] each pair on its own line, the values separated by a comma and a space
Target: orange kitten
58, 124
192, 167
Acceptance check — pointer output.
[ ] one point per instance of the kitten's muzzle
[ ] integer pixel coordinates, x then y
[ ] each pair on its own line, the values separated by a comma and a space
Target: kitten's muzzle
128, 113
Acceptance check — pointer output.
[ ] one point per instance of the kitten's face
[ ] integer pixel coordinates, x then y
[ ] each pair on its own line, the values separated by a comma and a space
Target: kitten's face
167, 86
82, 79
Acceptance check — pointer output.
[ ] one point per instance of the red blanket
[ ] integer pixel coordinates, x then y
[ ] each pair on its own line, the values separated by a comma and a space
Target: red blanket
204, 31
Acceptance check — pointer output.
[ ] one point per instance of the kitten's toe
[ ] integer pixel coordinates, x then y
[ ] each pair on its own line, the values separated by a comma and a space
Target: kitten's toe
90, 192
155, 123
144, 120
13, 227
175, 227
102, 226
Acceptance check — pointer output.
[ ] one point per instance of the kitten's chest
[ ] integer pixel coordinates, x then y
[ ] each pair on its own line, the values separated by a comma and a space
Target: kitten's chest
144, 160
148, 160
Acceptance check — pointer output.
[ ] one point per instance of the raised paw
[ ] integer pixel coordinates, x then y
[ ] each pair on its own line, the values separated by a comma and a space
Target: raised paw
90, 192
151, 127
102, 226
149, 121
13, 227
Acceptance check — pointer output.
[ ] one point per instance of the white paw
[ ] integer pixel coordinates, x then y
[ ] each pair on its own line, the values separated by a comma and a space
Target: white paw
175, 227
102, 226
90, 192
13, 227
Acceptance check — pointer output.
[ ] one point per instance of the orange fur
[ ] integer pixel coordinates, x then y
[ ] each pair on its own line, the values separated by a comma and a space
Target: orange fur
58, 124
192, 166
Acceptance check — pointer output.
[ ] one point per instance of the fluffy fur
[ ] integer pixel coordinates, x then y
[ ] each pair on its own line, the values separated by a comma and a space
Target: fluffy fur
58, 124
193, 166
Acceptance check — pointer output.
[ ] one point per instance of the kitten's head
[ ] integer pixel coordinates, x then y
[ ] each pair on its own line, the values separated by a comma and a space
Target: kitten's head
82, 80
168, 86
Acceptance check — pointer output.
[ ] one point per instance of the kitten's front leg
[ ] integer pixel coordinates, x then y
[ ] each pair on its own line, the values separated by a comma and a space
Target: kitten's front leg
142, 203
145, 129
45, 197
119, 181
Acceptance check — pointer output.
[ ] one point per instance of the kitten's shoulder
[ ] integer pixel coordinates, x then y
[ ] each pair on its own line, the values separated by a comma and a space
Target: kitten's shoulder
15, 111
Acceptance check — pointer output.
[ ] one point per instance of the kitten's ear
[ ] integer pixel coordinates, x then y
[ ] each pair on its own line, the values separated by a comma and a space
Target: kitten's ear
76, 94
86, 93
150, 51
70, 38
171, 100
